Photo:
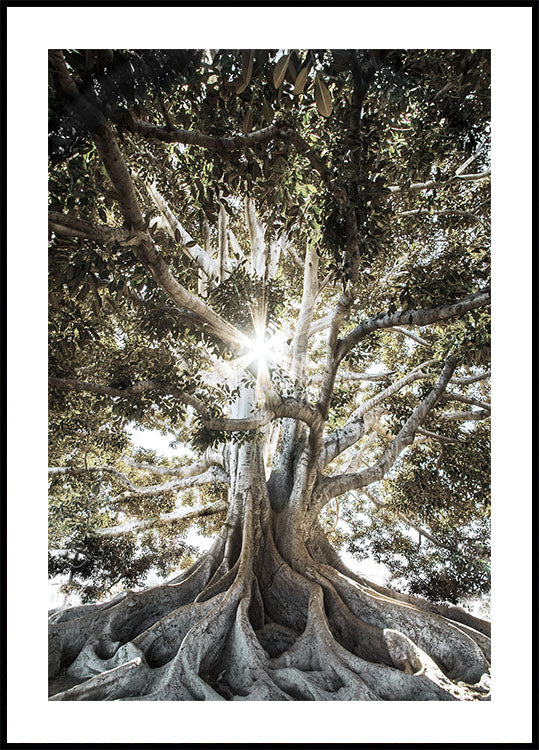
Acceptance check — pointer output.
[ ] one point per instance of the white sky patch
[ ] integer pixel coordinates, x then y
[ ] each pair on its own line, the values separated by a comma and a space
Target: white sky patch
156, 441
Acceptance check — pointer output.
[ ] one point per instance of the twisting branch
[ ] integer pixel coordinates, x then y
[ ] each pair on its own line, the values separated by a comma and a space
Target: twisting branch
210, 458
176, 231
354, 428
213, 474
69, 226
395, 189
335, 486
414, 317
227, 145
224, 145
283, 407
182, 514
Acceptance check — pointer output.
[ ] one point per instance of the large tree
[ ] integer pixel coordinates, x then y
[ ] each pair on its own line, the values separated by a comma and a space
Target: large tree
281, 258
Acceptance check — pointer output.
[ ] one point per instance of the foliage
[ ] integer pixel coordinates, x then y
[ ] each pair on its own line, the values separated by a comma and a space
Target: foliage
378, 119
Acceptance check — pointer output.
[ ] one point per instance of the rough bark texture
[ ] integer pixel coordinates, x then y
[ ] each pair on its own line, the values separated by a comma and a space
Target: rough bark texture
268, 613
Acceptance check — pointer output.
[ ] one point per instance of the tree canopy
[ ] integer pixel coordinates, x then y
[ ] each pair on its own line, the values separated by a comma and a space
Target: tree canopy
280, 250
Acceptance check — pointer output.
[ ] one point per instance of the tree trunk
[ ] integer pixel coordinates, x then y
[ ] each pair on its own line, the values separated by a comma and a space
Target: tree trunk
268, 613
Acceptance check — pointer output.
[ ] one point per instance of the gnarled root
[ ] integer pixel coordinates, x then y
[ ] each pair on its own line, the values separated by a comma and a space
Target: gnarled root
245, 624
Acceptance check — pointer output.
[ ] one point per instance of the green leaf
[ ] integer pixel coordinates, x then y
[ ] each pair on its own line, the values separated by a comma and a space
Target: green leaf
247, 122
267, 110
322, 97
280, 69
301, 80
291, 72
243, 81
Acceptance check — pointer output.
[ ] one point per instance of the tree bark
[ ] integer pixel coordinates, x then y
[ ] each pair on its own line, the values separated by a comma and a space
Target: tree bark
269, 613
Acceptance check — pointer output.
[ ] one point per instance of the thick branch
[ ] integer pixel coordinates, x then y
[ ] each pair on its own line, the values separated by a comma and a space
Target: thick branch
334, 486
320, 325
213, 474
414, 317
69, 226
221, 144
301, 335
176, 230
395, 189
210, 458
284, 407
183, 514
332, 357
353, 430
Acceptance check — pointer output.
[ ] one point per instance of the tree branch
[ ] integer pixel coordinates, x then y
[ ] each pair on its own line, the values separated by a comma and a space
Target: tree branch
332, 356
354, 429
471, 378
334, 486
176, 230
222, 144
226, 145
436, 436
395, 189
360, 376
284, 407
412, 336
450, 396
465, 416
301, 335
145, 250
213, 474
69, 226
210, 458
183, 514
414, 317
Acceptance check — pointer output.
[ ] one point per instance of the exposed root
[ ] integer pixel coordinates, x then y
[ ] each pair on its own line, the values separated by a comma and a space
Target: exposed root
244, 624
